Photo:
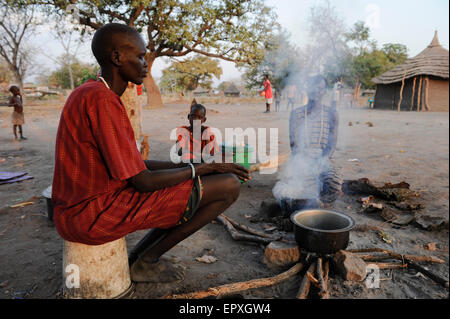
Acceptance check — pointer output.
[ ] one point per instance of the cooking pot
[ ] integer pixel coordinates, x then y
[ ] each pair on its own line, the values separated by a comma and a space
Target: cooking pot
322, 231
290, 206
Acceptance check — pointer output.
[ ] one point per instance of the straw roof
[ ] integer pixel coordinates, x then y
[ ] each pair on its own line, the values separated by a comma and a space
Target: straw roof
232, 89
431, 61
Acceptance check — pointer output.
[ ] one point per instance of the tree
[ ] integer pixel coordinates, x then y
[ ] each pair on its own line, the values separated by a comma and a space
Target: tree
81, 72
281, 60
327, 52
395, 52
5, 73
187, 75
360, 35
15, 25
226, 29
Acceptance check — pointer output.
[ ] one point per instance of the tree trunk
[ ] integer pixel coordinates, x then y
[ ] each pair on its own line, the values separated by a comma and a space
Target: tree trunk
154, 99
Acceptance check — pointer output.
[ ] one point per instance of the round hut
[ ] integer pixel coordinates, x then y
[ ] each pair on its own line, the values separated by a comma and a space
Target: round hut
419, 84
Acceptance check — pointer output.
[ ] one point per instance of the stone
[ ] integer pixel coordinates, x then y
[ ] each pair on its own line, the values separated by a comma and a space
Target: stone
350, 266
431, 223
279, 254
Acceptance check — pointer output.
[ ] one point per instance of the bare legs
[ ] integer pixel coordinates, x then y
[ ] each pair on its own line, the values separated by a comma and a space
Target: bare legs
20, 132
219, 192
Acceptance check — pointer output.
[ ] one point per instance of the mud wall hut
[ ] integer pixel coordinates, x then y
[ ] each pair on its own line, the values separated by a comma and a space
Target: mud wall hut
419, 84
232, 91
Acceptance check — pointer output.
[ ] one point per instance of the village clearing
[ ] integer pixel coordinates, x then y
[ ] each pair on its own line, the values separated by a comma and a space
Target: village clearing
409, 146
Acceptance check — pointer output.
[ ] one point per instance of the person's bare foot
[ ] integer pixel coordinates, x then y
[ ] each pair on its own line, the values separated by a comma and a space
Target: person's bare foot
163, 271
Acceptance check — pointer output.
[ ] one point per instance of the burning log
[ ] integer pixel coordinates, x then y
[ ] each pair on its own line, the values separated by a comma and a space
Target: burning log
323, 294
319, 273
306, 283
234, 288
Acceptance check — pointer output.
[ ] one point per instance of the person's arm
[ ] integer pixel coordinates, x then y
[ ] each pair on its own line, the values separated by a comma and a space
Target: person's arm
293, 131
332, 141
149, 181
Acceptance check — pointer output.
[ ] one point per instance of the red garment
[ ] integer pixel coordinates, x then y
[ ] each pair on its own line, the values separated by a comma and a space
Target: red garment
195, 146
95, 154
268, 89
139, 89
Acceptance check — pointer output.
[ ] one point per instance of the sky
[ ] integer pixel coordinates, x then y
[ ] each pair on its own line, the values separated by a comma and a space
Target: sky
409, 22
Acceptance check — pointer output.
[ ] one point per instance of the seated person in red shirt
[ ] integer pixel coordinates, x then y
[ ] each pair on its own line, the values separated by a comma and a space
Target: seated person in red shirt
191, 149
103, 190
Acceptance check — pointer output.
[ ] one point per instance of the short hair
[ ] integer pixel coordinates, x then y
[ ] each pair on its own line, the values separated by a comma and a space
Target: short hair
107, 38
199, 106
13, 87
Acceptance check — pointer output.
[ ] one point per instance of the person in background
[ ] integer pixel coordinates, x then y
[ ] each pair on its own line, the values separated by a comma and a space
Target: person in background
292, 90
267, 92
17, 116
277, 95
337, 88
313, 132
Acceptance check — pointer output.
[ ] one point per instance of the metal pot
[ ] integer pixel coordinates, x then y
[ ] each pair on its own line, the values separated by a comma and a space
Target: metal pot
290, 206
322, 231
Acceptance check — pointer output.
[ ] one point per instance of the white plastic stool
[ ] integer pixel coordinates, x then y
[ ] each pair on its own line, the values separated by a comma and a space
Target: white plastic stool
96, 272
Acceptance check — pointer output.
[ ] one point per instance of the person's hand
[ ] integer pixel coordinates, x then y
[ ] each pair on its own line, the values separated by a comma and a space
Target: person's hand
222, 168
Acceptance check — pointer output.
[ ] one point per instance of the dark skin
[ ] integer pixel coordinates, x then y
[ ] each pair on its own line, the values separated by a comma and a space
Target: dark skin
126, 63
16, 102
196, 114
267, 104
316, 92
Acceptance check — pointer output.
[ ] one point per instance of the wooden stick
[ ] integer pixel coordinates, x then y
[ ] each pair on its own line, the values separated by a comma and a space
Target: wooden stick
442, 281
401, 92
419, 96
326, 270
240, 286
362, 228
413, 93
242, 237
399, 256
389, 265
272, 163
319, 273
313, 279
427, 84
248, 229
305, 283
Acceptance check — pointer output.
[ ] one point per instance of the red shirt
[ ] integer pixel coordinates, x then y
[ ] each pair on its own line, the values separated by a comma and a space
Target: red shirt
268, 89
189, 143
95, 154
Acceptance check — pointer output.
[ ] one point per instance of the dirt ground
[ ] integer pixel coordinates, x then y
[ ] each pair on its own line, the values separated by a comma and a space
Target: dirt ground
411, 147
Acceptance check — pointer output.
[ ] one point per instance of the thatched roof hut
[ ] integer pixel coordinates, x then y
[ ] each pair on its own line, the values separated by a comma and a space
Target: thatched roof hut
419, 84
232, 91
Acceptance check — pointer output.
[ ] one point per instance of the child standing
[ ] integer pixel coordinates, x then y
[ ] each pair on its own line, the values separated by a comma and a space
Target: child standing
17, 117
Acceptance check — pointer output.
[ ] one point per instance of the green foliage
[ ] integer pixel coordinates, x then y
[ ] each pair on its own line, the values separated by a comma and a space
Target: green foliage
191, 73
5, 73
281, 60
396, 53
81, 73
226, 29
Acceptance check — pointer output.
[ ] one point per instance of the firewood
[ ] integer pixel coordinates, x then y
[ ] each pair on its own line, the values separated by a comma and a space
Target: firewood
363, 228
324, 294
305, 284
248, 229
242, 237
319, 273
389, 265
272, 163
399, 256
281, 254
234, 288
436, 278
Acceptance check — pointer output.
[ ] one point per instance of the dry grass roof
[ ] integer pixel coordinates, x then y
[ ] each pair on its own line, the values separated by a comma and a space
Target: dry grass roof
431, 61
